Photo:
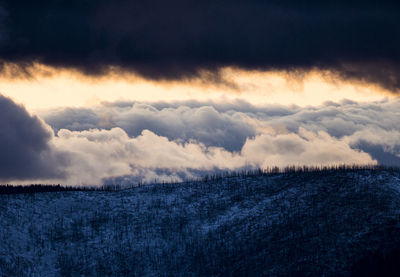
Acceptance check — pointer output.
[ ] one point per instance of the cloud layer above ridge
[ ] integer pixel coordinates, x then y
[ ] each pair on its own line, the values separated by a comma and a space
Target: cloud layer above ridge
173, 141
130, 142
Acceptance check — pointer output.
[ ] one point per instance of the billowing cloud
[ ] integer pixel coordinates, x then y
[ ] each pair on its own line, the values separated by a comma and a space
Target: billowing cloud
203, 123
230, 124
104, 155
127, 142
25, 151
358, 40
173, 141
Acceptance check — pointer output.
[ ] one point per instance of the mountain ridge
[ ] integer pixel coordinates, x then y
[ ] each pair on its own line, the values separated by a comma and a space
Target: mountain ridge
319, 223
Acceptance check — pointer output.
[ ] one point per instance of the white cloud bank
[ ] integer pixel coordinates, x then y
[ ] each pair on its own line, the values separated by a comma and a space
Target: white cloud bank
130, 142
99, 154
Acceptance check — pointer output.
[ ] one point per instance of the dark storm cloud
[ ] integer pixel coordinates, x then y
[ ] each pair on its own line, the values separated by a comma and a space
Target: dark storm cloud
24, 149
177, 39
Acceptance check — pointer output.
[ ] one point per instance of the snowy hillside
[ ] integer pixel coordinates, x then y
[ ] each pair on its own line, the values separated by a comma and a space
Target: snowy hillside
294, 224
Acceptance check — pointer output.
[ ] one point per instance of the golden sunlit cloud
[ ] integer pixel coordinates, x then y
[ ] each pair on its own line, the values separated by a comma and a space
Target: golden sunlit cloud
43, 87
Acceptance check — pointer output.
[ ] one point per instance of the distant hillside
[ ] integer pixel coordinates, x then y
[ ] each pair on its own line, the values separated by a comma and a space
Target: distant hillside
318, 223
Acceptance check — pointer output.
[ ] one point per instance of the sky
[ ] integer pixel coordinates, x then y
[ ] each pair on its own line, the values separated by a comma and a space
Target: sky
106, 92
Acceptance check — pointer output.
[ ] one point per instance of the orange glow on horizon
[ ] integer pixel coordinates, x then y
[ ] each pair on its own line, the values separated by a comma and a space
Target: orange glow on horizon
45, 87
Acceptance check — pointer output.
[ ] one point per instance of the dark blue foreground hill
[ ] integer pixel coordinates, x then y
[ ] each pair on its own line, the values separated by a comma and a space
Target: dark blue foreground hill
328, 223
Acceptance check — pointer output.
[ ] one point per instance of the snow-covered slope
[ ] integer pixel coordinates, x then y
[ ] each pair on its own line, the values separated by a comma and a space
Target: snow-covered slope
316, 223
